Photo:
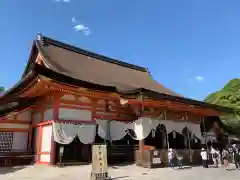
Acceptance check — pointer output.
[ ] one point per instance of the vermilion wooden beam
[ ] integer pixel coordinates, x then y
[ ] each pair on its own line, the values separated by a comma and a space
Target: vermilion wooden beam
175, 106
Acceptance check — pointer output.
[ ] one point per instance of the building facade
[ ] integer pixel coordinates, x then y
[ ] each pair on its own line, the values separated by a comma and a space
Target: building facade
72, 98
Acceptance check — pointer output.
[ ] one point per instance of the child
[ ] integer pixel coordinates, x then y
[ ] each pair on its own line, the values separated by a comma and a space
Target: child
179, 159
204, 158
171, 158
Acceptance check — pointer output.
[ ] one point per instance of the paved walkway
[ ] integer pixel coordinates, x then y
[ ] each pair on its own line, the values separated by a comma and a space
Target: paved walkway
130, 172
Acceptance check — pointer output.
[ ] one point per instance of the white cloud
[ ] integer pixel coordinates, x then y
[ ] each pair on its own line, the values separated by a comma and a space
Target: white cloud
65, 1
74, 19
199, 78
82, 28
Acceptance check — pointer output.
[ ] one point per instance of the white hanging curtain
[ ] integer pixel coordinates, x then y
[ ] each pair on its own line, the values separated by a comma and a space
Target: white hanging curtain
118, 130
175, 126
64, 133
86, 133
102, 128
188, 125
138, 129
142, 127
170, 125
155, 122
148, 126
196, 130
181, 125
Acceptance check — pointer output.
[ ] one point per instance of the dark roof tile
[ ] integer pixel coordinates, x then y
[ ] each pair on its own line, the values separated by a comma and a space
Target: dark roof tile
83, 65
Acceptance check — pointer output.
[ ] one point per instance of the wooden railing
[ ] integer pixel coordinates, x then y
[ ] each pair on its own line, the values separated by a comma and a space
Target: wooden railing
16, 158
121, 153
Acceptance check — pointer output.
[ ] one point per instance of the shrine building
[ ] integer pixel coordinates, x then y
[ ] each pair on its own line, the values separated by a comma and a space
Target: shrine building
70, 98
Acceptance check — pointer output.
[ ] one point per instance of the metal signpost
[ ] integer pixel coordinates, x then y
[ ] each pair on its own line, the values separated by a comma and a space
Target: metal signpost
61, 151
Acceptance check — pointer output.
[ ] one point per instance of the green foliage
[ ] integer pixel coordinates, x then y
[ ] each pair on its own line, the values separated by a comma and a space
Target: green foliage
1, 89
228, 96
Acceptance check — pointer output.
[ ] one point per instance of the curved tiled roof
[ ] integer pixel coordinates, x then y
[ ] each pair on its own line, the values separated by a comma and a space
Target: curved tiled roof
71, 65
87, 66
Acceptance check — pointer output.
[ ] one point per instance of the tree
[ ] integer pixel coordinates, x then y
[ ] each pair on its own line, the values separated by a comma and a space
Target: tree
228, 96
1, 89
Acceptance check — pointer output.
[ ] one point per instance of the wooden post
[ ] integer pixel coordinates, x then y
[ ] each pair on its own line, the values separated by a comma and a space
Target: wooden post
188, 136
53, 151
56, 105
141, 150
141, 142
165, 118
205, 133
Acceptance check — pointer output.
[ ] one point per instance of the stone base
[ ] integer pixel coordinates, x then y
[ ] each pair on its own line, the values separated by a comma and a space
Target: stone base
100, 176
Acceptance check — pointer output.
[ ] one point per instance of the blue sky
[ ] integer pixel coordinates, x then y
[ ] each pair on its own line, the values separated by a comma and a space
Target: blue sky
190, 46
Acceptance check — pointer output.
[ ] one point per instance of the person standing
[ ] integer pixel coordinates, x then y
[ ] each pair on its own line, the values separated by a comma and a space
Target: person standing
236, 157
219, 159
180, 160
225, 156
204, 158
171, 158
214, 157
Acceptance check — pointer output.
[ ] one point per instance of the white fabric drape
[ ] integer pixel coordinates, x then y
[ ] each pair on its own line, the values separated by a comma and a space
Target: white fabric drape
102, 128
172, 126
154, 123
118, 130
142, 127
86, 133
196, 130
179, 126
64, 133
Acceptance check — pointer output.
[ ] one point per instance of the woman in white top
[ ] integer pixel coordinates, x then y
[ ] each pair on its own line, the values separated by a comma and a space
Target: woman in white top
204, 158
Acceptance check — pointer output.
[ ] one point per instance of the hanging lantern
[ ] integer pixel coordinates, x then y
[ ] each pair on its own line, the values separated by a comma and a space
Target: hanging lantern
174, 134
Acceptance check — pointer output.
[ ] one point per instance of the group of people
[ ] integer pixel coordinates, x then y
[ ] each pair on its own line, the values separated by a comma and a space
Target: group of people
226, 155
171, 157
232, 154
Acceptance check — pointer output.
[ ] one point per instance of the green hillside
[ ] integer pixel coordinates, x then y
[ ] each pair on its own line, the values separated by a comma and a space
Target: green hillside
228, 96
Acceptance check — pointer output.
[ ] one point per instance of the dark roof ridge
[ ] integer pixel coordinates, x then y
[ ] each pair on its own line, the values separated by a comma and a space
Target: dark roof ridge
46, 40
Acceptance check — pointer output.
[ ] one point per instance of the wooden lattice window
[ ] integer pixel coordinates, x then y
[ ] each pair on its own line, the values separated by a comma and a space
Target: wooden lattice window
6, 141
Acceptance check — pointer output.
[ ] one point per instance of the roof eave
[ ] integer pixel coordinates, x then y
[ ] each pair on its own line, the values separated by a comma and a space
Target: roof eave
69, 80
8, 95
31, 59
20, 104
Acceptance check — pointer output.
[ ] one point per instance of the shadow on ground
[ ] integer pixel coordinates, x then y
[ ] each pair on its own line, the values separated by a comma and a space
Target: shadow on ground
114, 166
120, 177
185, 167
6, 170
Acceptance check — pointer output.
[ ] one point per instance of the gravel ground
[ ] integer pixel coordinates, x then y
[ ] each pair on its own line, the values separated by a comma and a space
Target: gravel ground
128, 172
